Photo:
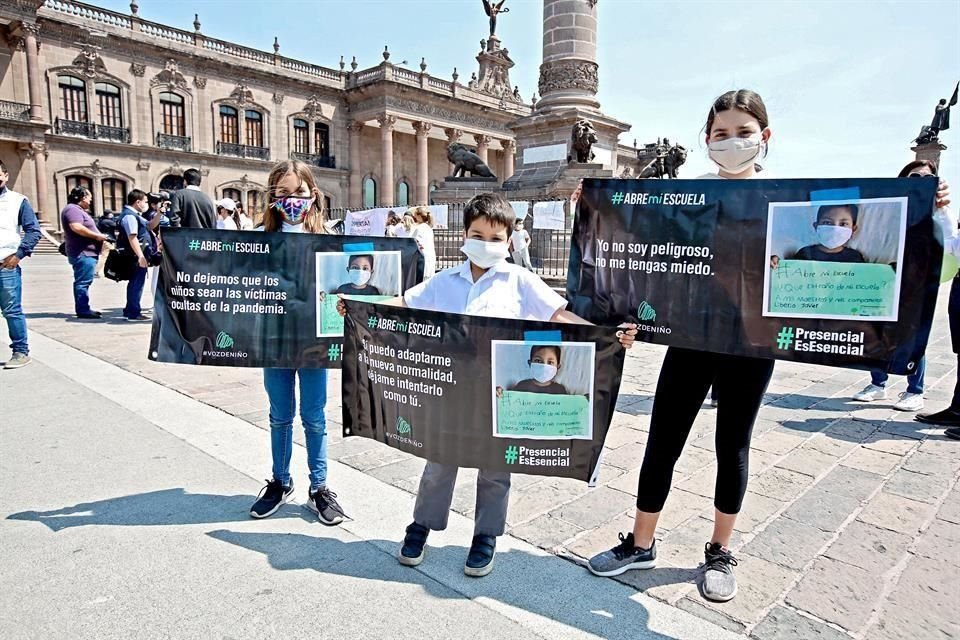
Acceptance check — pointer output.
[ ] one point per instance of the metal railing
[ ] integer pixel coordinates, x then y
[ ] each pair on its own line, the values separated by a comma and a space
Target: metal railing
176, 143
324, 162
14, 111
549, 248
91, 130
243, 151
115, 134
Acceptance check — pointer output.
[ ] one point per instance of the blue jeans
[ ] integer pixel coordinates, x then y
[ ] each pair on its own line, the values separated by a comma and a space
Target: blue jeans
280, 385
914, 380
11, 290
134, 292
83, 270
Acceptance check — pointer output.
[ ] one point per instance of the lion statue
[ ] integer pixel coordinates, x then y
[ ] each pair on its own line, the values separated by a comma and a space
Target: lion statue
582, 139
465, 160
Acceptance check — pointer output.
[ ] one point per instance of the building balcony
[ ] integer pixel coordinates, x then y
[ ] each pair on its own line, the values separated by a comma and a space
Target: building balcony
243, 151
174, 143
14, 111
324, 162
91, 130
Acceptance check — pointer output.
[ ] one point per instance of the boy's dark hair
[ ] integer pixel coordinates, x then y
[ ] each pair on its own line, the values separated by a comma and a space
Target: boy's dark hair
192, 177
77, 194
916, 164
540, 347
492, 206
135, 195
854, 210
368, 256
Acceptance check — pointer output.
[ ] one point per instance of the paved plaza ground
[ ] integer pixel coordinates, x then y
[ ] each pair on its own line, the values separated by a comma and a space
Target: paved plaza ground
849, 528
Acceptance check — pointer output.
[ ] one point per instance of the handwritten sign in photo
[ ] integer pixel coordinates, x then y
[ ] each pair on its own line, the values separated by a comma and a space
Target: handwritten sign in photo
540, 415
799, 287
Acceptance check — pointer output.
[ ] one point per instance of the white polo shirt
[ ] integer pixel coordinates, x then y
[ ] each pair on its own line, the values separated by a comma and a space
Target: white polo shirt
504, 291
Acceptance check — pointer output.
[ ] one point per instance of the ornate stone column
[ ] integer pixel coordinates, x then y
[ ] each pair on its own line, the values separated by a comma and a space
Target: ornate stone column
483, 146
355, 197
386, 159
568, 75
423, 164
509, 149
453, 135
30, 32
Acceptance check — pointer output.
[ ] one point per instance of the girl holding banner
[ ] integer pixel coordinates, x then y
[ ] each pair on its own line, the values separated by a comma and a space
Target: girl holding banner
296, 207
422, 232
737, 133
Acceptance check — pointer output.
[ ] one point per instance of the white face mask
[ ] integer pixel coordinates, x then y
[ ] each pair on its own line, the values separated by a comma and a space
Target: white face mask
736, 154
832, 237
543, 372
485, 254
359, 277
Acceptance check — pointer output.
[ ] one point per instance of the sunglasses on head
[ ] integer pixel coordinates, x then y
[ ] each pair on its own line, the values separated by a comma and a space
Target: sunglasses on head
914, 174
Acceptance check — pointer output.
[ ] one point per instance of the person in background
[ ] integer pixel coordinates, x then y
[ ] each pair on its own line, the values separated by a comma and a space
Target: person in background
158, 219
15, 214
84, 242
227, 216
520, 246
422, 232
190, 207
394, 224
296, 206
246, 222
136, 237
912, 398
107, 225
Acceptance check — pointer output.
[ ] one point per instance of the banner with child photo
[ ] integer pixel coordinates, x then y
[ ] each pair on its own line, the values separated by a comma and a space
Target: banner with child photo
840, 272
243, 299
481, 392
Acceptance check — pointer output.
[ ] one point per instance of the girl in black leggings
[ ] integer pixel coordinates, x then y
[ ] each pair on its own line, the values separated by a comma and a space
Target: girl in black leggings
737, 133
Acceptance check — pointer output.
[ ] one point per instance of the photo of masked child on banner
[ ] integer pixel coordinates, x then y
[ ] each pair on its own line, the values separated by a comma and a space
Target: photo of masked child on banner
543, 390
374, 276
426, 383
835, 260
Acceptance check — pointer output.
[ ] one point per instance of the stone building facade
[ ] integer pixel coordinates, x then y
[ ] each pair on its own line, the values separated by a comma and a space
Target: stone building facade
115, 102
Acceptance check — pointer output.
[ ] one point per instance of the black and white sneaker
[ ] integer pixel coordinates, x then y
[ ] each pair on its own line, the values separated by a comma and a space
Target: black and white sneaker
324, 503
412, 551
622, 558
718, 582
271, 498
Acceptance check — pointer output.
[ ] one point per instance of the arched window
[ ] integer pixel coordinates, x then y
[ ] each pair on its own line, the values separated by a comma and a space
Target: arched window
253, 127
369, 193
108, 103
171, 182
114, 194
321, 135
254, 203
229, 125
301, 133
403, 194
327, 204
172, 115
72, 182
73, 98
233, 194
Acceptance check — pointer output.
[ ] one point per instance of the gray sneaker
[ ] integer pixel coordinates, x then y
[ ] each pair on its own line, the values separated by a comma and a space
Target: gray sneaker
623, 557
18, 360
718, 583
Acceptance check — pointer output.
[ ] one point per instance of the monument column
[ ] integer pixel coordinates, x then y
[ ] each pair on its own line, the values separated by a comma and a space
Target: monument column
355, 196
34, 86
509, 149
568, 75
483, 146
453, 135
386, 159
423, 178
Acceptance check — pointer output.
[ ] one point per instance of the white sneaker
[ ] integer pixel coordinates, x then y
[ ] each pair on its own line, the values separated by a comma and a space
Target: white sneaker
870, 393
909, 402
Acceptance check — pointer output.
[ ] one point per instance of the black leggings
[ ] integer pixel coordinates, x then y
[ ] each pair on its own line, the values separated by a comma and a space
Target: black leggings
684, 380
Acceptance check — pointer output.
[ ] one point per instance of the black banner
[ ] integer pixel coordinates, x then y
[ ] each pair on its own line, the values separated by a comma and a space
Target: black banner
490, 393
249, 299
836, 272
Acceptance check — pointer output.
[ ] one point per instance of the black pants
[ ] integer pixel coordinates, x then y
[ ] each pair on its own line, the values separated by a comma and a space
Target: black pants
684, 380
953, 313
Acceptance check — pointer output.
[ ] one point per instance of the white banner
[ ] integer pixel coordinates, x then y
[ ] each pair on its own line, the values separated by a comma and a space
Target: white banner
520, 208
440, 213
372, 222
549, 215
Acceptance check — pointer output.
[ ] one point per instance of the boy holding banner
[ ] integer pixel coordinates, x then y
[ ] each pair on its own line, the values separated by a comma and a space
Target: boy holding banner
484, 285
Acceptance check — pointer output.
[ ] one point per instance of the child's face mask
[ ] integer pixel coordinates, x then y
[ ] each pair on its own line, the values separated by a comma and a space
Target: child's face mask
543, 372
359, 277
485, 254
293, 208
832, 237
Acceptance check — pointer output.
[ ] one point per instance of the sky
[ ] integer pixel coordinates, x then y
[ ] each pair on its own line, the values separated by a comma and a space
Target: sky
847, 83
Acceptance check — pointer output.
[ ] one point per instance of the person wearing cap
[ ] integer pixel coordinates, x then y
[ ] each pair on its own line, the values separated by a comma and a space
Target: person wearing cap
227, 216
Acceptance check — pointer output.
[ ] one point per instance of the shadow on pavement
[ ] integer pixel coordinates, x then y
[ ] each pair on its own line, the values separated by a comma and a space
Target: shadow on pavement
156, 508
518, 580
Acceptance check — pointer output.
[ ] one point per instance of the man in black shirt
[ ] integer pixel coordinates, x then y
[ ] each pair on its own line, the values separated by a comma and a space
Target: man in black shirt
191, 207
